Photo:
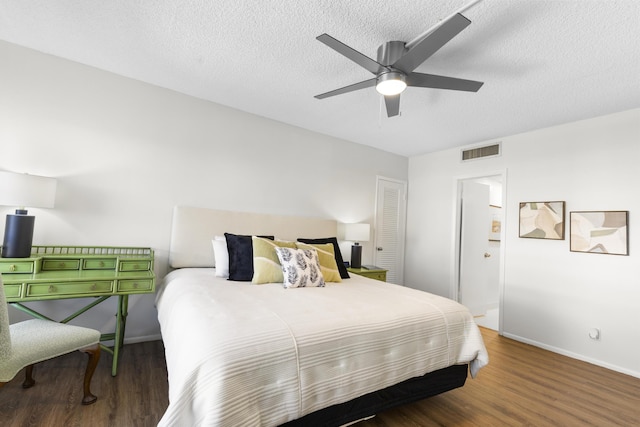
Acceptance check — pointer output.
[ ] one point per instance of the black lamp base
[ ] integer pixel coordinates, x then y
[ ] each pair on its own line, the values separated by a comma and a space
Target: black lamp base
18, 236
356, 256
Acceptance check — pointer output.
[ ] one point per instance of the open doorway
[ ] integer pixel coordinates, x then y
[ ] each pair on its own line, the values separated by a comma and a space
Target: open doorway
479, 247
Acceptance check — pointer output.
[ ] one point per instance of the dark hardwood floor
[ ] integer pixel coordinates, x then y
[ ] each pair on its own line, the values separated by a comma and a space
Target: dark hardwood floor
522, 385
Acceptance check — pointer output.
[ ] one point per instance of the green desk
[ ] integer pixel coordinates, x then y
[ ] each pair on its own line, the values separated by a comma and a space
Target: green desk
63, 272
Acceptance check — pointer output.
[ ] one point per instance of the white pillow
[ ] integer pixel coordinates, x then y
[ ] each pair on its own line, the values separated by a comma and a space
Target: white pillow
300, 267
221, 255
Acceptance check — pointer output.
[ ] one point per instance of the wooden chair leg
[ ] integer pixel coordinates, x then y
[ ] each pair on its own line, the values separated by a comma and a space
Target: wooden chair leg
94, 357
28, 377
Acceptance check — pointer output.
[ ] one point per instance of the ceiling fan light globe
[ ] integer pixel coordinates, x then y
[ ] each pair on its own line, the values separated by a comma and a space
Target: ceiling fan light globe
391, 83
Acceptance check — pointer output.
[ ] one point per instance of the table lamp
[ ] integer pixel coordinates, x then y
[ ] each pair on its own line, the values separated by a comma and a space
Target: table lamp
22, 191
356, 233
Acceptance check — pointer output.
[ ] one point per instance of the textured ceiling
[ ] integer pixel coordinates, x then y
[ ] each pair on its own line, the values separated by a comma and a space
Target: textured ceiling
543, 62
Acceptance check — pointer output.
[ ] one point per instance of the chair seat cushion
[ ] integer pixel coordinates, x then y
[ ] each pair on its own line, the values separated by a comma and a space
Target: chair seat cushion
36, 340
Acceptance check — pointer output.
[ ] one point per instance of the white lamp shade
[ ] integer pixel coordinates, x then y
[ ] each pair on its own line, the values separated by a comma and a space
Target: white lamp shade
357, 232
28, 191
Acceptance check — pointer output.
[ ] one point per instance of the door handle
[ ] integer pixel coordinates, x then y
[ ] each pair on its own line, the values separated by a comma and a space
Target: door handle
379, 249
487, 255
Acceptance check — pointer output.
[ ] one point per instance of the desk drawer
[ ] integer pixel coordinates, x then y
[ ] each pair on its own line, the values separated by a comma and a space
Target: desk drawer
69, 288
12, 291
60, 264
99, 264
140, 265
16, 267
135, 285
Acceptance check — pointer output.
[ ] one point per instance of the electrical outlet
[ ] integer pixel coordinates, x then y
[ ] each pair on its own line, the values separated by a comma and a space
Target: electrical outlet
594, 334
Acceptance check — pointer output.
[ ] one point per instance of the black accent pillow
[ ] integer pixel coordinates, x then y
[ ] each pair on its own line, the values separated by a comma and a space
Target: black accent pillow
341, 267
240, 250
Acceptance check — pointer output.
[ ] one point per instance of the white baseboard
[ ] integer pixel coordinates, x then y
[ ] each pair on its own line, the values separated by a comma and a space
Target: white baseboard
135, 340
573, 355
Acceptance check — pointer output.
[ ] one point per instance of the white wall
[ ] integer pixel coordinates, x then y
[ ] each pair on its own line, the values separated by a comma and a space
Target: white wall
125, 153
552, 296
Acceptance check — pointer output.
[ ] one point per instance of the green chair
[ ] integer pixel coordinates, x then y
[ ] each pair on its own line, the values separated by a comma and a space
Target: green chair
25, 343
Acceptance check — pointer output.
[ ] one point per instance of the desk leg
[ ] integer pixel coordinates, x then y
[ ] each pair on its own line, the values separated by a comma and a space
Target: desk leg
125, 313
121, 322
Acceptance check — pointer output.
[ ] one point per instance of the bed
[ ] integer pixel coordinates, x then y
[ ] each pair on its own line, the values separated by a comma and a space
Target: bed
239, 353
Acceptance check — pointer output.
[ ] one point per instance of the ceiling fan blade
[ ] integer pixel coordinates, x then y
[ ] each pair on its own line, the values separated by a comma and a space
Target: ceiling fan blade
360, 59
346, 89
442, 82
392, 102
431, 43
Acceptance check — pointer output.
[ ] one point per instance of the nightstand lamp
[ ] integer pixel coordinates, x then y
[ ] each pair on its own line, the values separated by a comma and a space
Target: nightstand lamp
22, 191
356, 233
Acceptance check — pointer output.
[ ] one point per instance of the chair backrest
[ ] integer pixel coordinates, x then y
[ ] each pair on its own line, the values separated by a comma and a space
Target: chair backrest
5, 333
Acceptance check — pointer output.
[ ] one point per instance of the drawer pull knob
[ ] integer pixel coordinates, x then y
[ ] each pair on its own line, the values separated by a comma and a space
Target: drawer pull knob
52, 288
12, 267
101, 263
136, 266
94, 287
61, 264
135, 285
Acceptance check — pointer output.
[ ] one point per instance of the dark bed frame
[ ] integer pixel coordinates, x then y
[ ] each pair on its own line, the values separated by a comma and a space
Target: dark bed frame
408, 391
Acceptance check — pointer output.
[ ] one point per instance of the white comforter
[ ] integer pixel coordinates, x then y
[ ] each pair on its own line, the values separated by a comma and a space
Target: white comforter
240, 354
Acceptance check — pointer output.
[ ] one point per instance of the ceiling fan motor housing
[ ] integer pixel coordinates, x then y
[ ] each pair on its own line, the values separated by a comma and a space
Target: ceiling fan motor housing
390, 81
390, 52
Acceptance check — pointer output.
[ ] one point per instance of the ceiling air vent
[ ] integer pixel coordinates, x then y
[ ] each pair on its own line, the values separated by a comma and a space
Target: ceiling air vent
481, 152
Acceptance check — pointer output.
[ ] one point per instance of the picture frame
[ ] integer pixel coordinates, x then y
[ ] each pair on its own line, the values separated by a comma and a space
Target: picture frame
542, 220
496, 223
599, 232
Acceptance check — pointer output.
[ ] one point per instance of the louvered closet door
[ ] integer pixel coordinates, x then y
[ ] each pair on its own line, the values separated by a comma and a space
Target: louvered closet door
390, 228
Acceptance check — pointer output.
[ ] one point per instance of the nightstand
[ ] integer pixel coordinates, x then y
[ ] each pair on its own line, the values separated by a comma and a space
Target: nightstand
374, 273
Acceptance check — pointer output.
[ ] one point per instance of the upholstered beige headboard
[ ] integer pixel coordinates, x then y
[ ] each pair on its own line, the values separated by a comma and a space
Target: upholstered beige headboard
193, 228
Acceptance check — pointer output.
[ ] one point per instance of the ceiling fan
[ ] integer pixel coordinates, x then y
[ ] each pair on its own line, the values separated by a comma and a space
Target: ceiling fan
396, 61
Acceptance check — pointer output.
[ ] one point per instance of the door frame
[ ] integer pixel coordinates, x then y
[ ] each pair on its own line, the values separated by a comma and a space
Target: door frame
457, 235
403, 219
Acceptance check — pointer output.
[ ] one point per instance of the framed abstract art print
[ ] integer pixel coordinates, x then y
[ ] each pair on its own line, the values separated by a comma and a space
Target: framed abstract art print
542, 220
600, 232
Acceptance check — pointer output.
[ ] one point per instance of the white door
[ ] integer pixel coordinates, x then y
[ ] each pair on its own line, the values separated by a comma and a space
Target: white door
474, 247
391, 204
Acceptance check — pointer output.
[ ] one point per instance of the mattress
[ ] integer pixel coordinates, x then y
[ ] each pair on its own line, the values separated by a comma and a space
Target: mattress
262, 355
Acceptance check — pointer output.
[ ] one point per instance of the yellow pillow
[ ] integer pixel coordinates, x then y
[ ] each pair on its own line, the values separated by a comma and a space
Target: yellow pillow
266, 265
327, 258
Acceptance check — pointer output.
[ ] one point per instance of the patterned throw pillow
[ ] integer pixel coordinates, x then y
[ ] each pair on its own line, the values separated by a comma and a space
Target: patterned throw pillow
300, 267
327, 259
266, 266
